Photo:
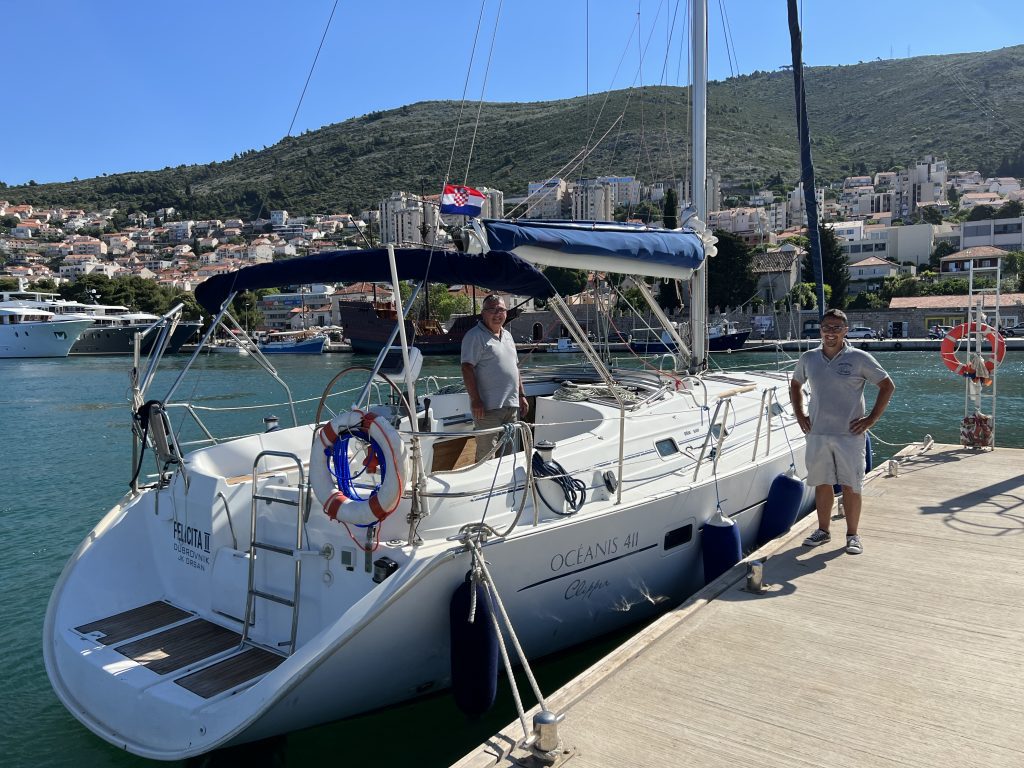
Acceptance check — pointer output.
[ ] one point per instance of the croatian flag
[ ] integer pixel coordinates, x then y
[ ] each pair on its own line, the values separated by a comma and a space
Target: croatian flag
464, 200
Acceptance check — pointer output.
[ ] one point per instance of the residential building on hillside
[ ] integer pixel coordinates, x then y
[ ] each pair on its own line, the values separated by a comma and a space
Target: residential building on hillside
868, 274
777, 271
748, 224
592, 200
625, 189
983, 257
408, 219
924, 182
544, 199
1007, 234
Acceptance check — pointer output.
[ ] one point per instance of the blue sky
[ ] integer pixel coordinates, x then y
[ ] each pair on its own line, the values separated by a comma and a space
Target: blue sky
107, 86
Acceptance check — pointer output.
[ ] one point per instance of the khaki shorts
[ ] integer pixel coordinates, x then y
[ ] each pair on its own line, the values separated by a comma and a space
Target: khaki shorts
485, 443
836, 460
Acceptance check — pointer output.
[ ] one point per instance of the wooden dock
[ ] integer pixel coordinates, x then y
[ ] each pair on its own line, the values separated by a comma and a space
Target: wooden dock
910, 655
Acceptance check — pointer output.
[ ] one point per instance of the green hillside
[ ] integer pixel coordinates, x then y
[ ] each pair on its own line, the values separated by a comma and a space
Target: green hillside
967, 108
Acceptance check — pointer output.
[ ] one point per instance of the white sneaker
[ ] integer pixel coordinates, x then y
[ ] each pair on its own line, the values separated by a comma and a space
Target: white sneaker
853, 545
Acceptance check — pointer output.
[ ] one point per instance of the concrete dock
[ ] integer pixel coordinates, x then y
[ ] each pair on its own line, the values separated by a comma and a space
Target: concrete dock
911, 654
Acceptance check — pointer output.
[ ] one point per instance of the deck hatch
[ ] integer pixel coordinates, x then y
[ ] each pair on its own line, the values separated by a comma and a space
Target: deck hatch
180, 646
231, 672
137, 621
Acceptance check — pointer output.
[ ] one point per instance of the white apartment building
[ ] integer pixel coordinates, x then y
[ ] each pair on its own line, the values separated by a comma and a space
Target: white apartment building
592, 201
925, 182
750, 224
797, 210
278, 218
625, 189
544, 199
1007, 234
408, 219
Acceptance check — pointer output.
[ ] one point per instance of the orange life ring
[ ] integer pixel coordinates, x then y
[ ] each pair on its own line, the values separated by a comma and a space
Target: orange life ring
381, 503
950, 342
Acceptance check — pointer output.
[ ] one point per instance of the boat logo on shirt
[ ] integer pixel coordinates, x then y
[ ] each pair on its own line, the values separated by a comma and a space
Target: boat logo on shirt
844, 369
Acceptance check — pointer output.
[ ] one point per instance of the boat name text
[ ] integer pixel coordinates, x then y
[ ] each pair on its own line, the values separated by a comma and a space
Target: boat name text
192, 545
587, 553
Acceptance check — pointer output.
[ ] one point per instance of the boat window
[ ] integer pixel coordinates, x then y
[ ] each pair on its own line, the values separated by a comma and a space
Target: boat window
666, 447
678, 536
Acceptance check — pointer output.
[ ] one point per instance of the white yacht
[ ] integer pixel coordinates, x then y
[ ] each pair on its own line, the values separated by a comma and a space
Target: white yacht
28, 332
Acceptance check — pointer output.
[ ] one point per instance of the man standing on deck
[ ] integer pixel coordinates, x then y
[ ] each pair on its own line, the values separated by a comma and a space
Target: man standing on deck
490, 370
836, 374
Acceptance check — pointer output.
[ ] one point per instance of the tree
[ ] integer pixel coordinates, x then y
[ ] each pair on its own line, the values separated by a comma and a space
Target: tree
942, 249
730, 280
566, 282
670, 209
1011, 209
931, 214
980, 213
834, 270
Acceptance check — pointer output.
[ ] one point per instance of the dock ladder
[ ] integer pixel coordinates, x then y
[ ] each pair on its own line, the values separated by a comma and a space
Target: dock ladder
302, 514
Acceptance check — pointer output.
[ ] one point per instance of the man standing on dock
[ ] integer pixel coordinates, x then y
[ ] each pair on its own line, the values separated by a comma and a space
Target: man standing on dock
836, 426
490, 370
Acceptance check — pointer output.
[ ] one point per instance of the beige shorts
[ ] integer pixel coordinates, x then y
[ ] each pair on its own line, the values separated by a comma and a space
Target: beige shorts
836, 460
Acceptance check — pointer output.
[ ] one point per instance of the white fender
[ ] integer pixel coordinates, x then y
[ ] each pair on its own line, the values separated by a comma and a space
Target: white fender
381, 503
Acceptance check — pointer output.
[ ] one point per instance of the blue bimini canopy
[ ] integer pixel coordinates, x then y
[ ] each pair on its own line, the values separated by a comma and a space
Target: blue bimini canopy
601, 246
495, 271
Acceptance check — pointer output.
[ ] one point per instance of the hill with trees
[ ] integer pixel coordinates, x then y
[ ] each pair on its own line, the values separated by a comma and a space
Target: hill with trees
966, 108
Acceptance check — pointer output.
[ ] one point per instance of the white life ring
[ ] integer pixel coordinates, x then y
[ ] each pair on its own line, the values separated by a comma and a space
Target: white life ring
385, 499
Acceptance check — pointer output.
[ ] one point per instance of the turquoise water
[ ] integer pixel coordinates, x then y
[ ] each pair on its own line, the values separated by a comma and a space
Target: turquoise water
64, 460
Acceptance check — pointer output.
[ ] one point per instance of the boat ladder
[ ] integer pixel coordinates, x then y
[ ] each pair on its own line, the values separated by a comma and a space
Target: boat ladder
302, 514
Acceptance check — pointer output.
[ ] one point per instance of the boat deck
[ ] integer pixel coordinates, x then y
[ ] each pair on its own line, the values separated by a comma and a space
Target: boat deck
169, 641
908, 655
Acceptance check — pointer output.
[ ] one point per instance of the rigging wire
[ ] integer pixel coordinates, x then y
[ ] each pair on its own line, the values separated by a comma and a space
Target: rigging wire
483, 87
311, 68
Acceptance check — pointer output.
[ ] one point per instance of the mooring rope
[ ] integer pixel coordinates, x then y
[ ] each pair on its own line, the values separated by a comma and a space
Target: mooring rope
481, 572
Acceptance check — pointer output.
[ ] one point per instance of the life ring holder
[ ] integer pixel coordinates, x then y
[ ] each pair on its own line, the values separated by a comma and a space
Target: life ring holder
374, 429
950, 342
898, 345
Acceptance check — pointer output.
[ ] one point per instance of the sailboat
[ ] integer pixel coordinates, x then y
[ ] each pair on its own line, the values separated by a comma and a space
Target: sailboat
262, 584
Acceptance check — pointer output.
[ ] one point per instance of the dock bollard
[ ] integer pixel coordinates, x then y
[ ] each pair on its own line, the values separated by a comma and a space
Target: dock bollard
545, 736
755, 577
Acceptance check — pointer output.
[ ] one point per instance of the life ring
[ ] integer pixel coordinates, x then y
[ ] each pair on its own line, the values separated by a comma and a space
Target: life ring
383, 438
950, 342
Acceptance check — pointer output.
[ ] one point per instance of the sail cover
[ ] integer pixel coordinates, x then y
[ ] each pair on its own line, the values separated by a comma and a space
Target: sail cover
601, 246
495, 271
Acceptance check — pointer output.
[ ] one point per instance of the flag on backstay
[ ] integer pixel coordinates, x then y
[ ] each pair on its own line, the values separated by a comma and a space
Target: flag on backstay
462, 200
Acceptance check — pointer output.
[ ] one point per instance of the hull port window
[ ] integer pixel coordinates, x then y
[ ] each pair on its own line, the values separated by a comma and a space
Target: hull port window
666, 447
678, 536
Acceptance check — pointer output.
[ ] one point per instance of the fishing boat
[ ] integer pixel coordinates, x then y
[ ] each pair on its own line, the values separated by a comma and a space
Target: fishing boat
292, 343
260, 584
30, 332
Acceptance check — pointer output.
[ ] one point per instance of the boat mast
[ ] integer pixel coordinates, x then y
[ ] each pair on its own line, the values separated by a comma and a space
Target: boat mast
699, 91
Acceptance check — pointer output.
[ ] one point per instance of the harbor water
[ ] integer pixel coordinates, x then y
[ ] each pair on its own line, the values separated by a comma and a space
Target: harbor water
65, 457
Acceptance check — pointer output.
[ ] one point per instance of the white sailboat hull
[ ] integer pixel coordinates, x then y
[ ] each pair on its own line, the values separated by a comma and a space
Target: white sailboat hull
362, 645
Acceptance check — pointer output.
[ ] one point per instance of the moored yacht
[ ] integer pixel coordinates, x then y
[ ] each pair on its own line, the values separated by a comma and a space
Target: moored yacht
29, 332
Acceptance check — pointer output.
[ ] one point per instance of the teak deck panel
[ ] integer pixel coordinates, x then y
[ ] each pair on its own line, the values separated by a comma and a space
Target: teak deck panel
180, 646
137, 621
232, 671
910, 655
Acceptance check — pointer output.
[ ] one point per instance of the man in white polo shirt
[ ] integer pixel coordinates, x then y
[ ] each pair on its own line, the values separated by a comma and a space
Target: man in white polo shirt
490, 370
836, 374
